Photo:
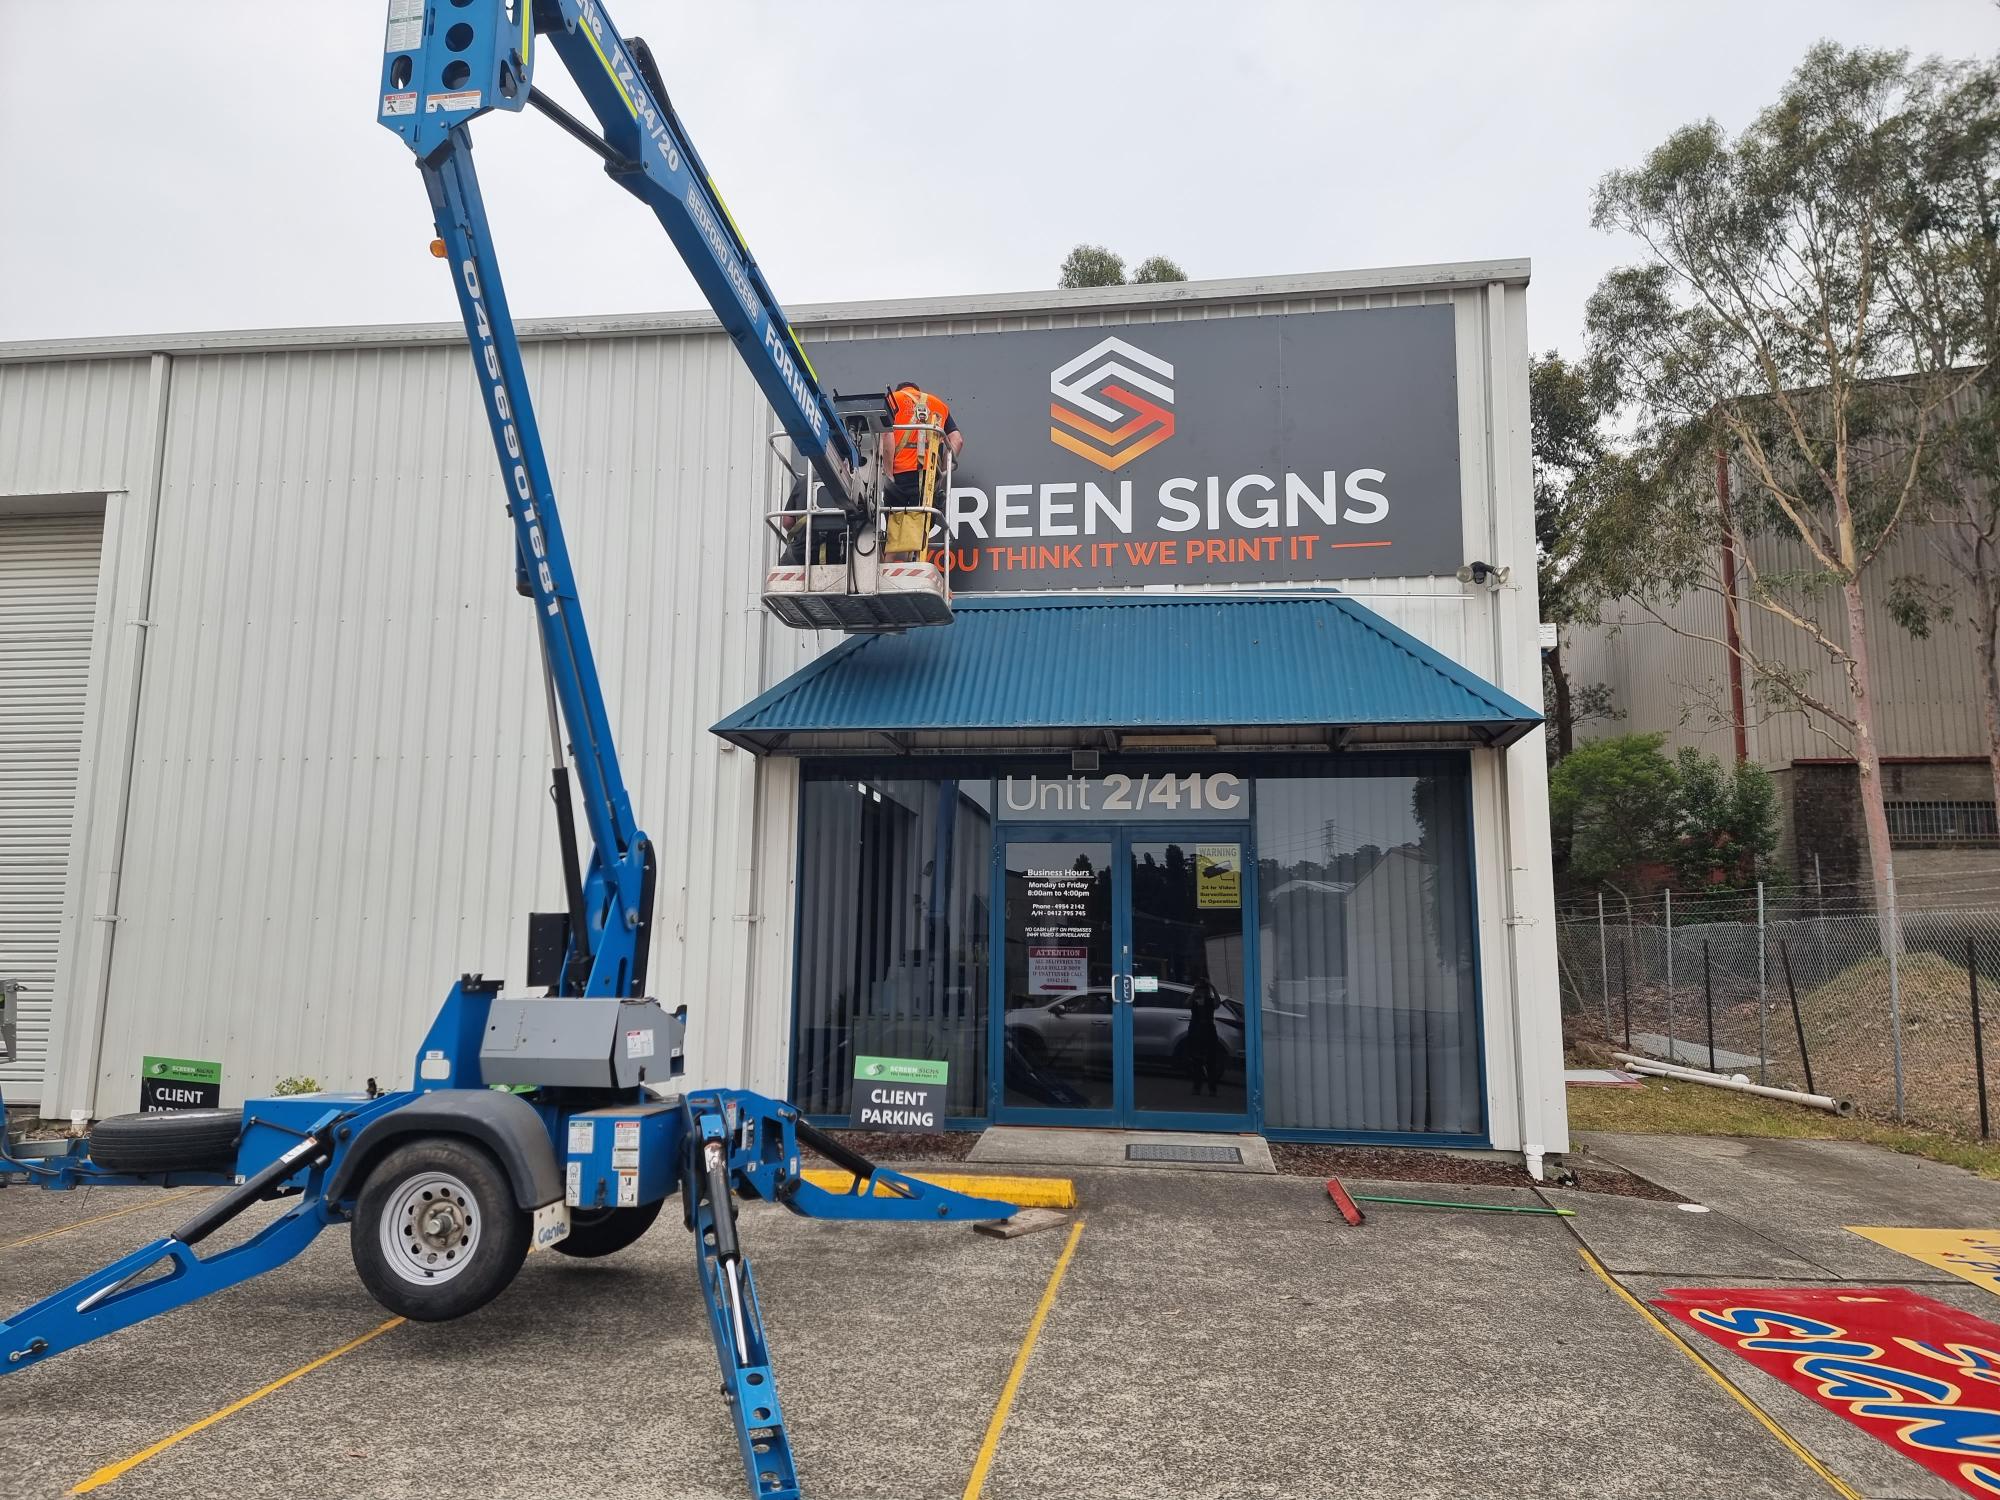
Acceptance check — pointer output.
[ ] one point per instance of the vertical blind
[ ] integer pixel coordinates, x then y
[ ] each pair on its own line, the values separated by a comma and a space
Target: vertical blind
892, 942
1366, 935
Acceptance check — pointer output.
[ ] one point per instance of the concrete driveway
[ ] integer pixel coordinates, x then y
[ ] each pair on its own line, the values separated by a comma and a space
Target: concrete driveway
1213, 1336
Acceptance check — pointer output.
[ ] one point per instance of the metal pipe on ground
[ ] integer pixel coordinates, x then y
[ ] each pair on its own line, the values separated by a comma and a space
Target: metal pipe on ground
1827, 1102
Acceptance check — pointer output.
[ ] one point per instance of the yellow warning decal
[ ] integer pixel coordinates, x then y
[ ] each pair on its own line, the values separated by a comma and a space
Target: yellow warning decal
610, 72
1971, 1253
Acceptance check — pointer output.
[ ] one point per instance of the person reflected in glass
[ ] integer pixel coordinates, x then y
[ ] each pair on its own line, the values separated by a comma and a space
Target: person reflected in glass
1207, 1057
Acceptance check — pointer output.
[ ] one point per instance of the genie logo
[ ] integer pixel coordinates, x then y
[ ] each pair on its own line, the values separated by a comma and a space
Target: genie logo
508, 437
1108, 422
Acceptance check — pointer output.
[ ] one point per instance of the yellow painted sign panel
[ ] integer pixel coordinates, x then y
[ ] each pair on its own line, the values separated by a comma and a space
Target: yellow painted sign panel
1218, 877
1971, 1253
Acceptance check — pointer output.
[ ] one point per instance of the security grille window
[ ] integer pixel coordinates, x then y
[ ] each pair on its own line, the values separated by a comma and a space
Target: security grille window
1933, 825
892, 940
1370, 1004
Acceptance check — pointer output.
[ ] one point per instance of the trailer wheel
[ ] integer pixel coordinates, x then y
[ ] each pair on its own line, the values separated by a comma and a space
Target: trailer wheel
437, 1233
606, 1231
176, 1140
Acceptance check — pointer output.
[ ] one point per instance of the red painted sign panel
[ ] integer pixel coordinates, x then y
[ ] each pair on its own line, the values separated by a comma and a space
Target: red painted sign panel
1921, 1376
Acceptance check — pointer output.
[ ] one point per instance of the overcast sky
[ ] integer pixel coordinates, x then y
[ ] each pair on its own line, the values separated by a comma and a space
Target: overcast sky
175, 166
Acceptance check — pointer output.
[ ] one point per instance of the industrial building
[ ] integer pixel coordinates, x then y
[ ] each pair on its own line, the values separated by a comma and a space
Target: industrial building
1668, 670
1219, 805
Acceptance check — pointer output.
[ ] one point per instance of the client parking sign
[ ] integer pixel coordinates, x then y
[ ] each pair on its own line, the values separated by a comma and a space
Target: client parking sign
899, 1093
179, 1083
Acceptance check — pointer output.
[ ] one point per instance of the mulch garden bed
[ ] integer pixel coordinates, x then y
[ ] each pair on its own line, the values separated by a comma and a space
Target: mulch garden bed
1301, 1159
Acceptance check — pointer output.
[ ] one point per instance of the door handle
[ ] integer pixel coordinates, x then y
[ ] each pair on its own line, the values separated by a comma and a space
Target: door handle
1121, 989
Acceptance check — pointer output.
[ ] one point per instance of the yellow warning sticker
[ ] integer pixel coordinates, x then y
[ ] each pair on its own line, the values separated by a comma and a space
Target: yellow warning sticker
1971, 1253
1218, 877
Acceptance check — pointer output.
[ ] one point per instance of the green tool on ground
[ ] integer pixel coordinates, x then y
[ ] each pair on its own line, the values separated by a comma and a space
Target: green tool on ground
1481, 1208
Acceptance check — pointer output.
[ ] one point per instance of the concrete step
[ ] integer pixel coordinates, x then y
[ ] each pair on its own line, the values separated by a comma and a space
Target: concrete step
1061, 1146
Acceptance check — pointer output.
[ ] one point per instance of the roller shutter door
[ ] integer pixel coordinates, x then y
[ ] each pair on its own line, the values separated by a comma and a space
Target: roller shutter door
48, 592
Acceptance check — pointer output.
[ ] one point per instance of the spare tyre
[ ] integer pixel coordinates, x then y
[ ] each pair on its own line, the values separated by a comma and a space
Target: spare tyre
178, 1140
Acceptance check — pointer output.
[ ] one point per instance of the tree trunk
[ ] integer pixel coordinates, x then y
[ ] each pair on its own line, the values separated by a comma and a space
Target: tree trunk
1868, 761
1565, 717
1987, 623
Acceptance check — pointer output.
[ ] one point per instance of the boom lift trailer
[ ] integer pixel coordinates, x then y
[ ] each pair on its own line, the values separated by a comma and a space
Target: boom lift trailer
538, 1119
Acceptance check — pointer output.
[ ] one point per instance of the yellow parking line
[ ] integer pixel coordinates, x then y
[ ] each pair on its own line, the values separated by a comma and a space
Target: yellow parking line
1022, 1192
1834, 1482
111, 1472
117, 1213
993, 1428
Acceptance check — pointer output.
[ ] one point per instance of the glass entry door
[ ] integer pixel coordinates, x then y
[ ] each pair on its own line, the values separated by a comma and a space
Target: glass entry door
1189, 1045
1058, 1050
1123, 990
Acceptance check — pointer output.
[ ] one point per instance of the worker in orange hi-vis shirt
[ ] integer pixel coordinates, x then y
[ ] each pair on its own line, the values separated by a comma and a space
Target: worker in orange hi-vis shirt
921, 426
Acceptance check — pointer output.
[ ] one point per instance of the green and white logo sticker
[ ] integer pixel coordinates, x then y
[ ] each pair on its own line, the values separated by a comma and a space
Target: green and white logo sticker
182, 1070
902, 1070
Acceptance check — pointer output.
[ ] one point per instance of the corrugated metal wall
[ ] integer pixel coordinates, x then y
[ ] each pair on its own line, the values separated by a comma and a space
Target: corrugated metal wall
337, 795
337, 798
71, 427
1927, 689
1929, 698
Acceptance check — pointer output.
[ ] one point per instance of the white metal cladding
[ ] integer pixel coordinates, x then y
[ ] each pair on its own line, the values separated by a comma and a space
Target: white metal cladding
48, 592
71, 426
337, 797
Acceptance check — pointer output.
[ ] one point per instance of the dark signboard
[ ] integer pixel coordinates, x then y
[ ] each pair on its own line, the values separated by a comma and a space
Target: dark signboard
1296, 448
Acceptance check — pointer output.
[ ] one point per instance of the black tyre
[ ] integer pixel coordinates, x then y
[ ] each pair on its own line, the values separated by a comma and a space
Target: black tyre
606, 1231
437, 1233
181, 1140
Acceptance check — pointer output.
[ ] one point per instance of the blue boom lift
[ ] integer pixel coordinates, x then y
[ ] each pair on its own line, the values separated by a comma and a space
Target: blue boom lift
535, 1120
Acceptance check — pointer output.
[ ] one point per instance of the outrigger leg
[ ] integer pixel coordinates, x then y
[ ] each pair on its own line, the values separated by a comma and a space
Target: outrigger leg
739, 1143
109, 1300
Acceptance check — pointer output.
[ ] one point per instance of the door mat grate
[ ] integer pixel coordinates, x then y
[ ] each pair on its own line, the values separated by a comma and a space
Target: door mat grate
1228, 1156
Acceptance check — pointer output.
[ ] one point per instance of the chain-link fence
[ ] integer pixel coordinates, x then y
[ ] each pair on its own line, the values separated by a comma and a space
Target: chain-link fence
1798, 990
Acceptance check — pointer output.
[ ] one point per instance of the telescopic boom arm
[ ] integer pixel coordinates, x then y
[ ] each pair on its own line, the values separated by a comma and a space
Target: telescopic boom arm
445, 63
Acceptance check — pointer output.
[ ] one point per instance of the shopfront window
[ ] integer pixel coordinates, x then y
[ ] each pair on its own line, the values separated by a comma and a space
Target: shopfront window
1370, 1017
1291, 951
893, 904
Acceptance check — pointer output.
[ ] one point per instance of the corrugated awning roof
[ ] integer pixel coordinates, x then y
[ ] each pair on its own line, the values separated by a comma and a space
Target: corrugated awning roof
1068, 671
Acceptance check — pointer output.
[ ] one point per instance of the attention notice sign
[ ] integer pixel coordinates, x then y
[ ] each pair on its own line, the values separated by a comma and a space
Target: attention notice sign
899, 1093
179, 1083
1291, 449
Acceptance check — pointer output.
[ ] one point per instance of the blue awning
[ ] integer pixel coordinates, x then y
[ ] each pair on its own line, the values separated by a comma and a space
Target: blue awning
1072, 671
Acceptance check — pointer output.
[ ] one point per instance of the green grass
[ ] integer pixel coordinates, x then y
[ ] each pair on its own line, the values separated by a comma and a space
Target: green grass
1663, 1107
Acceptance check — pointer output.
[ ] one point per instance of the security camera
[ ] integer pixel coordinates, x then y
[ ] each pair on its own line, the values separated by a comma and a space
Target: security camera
1483, 575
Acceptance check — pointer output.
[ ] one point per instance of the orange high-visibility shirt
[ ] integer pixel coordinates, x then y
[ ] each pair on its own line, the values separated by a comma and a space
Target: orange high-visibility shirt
911, 405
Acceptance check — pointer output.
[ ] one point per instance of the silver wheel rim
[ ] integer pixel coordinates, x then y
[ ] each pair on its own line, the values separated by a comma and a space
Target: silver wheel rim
430, 1230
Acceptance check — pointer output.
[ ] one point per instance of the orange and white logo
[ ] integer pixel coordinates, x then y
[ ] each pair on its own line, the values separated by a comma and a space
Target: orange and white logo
1086, 388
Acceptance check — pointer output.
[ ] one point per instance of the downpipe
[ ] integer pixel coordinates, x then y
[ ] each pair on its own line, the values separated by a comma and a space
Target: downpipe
1653, 1068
